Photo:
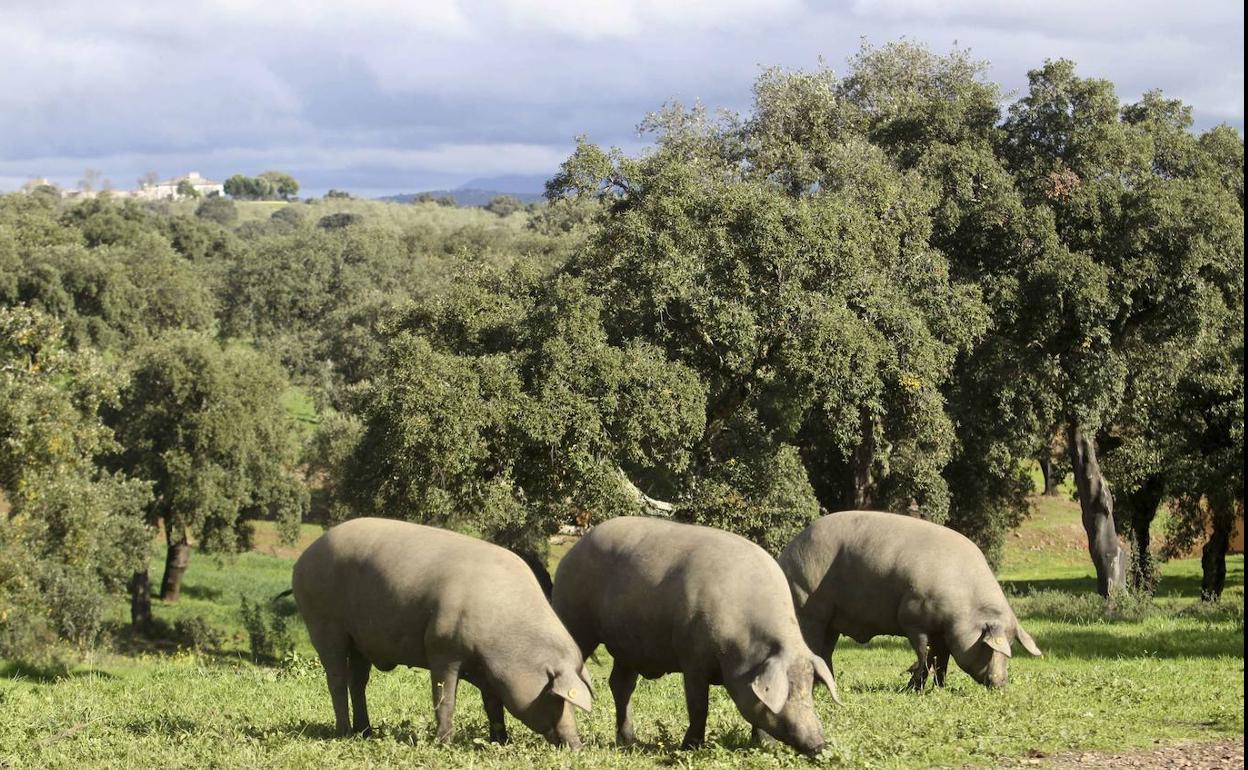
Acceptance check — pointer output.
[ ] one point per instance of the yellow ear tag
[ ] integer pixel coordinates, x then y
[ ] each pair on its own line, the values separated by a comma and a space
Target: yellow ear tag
572, 693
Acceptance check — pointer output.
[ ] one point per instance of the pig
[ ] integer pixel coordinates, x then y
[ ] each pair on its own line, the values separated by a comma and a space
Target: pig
868, 573
666, 597
380, 592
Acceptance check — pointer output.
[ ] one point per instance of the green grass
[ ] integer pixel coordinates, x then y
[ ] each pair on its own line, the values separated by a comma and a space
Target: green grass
1170, 671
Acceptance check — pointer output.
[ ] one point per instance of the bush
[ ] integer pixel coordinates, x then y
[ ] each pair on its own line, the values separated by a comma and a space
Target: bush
219, 210
338, 220
288, 215
195, 633
268, 630
504, 205
1087, 609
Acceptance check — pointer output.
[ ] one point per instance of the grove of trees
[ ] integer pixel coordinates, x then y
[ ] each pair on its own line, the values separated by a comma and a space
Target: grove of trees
270, 185
881, 289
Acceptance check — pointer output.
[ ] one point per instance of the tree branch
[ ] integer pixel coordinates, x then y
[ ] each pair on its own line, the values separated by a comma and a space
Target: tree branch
649, 506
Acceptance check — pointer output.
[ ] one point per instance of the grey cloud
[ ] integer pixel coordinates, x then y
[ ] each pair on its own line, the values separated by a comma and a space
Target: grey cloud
376, 96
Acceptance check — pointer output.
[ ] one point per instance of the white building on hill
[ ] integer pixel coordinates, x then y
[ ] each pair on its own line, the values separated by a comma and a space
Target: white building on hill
168, 189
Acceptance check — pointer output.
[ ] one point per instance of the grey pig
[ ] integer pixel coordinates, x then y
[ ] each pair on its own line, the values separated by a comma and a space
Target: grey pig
379, 592
867, 573
666, 597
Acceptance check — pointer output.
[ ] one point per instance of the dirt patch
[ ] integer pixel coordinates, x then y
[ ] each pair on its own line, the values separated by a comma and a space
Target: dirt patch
266, 540
1223, 755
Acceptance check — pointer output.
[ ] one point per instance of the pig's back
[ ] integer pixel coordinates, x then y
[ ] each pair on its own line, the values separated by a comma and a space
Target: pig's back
649, 589
391, 584
857, 568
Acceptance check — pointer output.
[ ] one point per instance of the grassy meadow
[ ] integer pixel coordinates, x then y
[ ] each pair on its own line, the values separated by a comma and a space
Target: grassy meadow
1166, 672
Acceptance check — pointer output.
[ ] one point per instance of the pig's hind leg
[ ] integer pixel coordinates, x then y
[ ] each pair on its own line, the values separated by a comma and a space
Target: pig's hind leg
623, 681
697, 701
360, 670
938, 661
331, 645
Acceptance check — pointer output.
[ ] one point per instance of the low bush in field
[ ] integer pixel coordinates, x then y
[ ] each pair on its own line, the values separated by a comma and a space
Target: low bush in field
268, 630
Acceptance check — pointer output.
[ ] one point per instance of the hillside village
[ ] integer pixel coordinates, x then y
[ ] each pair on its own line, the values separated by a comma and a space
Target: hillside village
189, 185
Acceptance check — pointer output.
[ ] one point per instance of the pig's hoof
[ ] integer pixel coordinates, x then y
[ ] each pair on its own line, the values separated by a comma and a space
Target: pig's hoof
365, 732
626, 740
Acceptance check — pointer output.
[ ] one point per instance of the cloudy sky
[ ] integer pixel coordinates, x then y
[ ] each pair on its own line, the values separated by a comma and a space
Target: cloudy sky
380, 96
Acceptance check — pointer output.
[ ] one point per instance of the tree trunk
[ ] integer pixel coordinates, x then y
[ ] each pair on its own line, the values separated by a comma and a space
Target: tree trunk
140, 601
1050, 478
177, 557
1097, 504
1143, 502
1213, 556
861, 496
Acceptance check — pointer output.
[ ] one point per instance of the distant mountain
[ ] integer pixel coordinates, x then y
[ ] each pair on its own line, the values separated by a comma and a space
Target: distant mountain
477, 192
511, 184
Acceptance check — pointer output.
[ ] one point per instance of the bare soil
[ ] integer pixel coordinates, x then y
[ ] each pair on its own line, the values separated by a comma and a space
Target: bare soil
1222, 755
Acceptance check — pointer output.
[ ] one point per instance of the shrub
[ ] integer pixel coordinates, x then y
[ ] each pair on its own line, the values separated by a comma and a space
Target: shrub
268, 631
219, 210
504, 205
195, 633
338, 220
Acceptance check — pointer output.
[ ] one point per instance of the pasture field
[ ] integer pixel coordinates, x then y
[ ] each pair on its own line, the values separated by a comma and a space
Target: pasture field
1164, 672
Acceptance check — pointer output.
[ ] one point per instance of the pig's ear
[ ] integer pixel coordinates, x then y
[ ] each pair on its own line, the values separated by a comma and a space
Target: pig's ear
824, 674
584, 674
994, 636
771, 684
1028, 643
569, 686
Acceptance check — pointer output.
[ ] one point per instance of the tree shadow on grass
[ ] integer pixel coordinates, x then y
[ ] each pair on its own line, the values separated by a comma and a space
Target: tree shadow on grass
408, 731
1102, 642
1080, 585
1171, 586
320, 731
205, 593
46, 673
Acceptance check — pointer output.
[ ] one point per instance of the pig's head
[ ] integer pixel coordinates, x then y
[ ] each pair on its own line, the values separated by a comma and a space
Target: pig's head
544, 697
983, 650
777, 696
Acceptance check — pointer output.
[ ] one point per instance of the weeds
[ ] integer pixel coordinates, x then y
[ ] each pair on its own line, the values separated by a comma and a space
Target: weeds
268, 630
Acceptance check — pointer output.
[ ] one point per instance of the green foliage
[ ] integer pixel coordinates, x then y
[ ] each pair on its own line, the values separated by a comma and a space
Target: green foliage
281, 183
501, 408
338, 220
72, 532
288, 216
106, 271
187, 190
192, 632
251, 188
268, 631
504, 205
441, 200
1153, 225
207, 428
803, 293
219, 210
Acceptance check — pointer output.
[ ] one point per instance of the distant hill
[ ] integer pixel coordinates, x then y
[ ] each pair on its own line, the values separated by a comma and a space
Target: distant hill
477, 192
510, 184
